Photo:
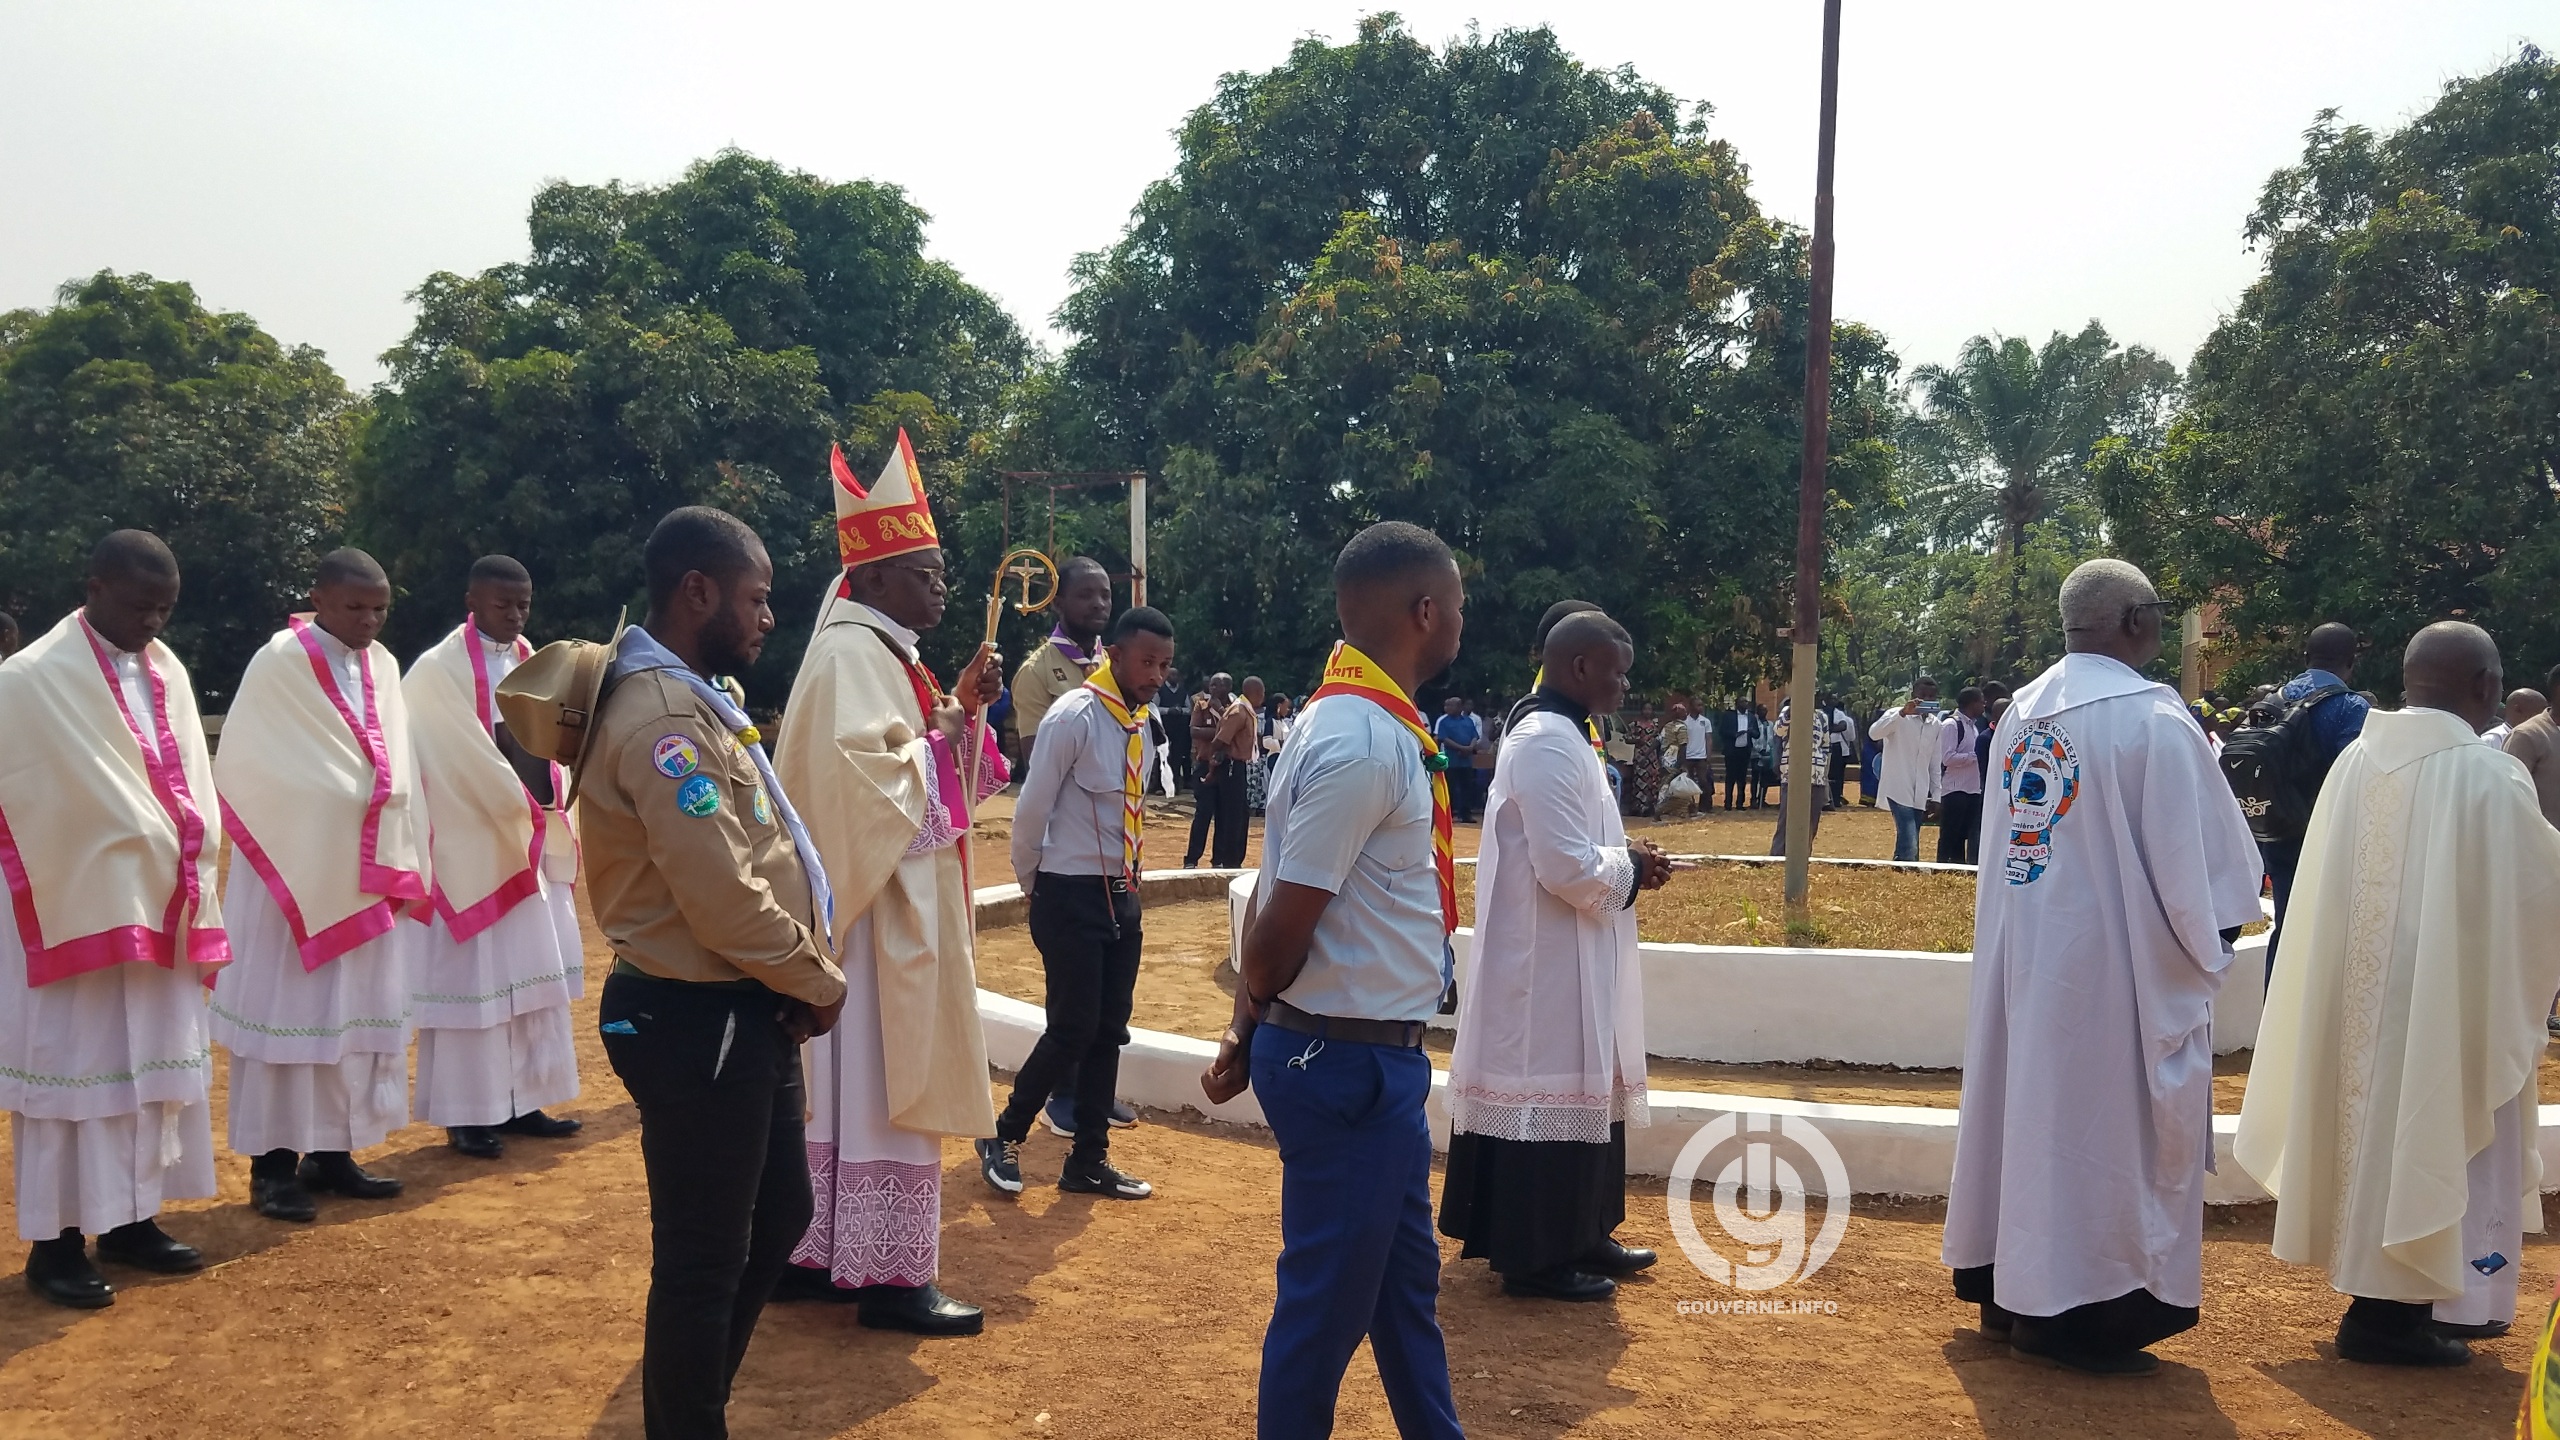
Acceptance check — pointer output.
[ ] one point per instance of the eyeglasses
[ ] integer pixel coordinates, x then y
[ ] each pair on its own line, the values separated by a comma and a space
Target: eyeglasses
936, 573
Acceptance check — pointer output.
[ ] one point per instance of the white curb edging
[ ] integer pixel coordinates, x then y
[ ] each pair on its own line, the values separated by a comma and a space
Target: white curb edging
1904, 1150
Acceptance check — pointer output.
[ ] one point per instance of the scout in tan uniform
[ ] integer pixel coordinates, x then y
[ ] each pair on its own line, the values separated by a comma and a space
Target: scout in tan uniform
708, 890
1057, 669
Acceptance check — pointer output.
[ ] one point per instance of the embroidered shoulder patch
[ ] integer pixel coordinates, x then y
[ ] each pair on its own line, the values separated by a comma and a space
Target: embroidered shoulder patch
675, 756
698, 797
764, 808
2042, 776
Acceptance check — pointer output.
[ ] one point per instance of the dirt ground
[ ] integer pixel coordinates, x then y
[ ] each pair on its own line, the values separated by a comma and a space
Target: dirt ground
504, 1299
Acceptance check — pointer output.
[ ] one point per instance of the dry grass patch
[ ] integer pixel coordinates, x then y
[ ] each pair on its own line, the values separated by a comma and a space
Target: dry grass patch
1854, 907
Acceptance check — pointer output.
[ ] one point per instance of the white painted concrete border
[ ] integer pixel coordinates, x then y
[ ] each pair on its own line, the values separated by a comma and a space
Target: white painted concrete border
1906, 1150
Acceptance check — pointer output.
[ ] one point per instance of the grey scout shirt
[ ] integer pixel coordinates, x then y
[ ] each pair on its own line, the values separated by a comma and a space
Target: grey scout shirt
1349, 812
1067, 819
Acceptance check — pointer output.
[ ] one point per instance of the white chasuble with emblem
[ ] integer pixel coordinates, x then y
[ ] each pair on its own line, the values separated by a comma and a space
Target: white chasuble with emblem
2407, 1012
2113, 858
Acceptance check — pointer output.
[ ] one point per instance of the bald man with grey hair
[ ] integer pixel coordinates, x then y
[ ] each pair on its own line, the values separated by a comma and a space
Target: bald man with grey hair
2116, 872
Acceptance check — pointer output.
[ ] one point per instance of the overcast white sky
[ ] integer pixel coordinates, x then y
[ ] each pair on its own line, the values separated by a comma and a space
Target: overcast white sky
2011, 166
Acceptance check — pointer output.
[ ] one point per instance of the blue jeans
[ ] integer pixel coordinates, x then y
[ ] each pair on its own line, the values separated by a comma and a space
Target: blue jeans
1357, 1253
1906, 829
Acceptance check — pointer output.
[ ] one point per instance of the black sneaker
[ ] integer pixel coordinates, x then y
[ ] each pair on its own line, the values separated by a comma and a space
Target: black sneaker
1097, 1177
1001, 1162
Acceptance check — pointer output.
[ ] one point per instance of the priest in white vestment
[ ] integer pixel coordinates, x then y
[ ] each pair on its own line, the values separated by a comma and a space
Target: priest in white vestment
496, 966
2116, 872
872, 751
1549, 1068
110, 932
2391, 1101
320, 799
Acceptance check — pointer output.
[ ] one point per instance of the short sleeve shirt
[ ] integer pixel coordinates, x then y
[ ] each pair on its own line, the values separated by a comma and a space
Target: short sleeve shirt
1349, 812
1047, 674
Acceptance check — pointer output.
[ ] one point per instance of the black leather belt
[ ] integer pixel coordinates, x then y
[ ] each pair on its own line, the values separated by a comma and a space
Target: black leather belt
1400, 1034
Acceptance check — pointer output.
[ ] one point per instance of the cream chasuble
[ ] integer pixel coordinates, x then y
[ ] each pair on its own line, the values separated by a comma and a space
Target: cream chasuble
857, 758
2407, 1010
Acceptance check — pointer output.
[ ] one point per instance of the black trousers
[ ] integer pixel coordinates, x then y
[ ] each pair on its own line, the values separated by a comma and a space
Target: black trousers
1737, 778
1220, 801
1089, 937
717, 1084
1959, 826
1839, 780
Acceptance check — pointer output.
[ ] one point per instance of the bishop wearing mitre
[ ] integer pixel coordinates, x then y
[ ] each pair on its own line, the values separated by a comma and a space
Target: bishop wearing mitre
875, 752
2391, 1101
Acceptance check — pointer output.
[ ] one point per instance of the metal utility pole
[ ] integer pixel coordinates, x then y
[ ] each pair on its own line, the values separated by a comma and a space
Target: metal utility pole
1810, 495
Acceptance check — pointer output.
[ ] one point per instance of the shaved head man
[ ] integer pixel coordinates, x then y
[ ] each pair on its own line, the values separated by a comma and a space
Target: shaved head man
2075, 1217
2385, 1108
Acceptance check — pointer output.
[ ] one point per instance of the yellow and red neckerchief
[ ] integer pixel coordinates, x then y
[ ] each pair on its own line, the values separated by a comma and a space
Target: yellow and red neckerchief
1348, 672
1590, 726
1133, 723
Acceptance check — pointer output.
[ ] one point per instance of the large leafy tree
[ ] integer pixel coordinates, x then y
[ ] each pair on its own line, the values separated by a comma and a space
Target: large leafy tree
130, 404
1488, 289
696, 343
2001, 435
2374, 435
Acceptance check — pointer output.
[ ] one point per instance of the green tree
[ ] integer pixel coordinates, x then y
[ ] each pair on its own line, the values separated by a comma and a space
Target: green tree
1488, 289
696, 343
2008, 428
2374, 435
130, 404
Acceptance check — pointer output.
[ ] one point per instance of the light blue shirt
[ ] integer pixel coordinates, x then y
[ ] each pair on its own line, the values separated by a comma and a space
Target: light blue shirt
1349, 812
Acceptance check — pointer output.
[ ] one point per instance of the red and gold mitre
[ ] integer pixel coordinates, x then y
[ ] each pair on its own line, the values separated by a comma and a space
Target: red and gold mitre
890, 518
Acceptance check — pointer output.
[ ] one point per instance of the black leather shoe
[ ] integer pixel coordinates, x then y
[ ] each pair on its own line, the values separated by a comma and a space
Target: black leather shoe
800, 1282
1561, 1283
918, 1309
337, 1170
145, 1246
1613, 1258
2487, 1330
2423, 1346
59, 1270
543, 1127
282, 1197
480, 1142
2108, 1363
1996, 1322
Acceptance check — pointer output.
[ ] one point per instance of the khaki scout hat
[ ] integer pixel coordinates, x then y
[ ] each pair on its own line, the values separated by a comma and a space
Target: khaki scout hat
550, 701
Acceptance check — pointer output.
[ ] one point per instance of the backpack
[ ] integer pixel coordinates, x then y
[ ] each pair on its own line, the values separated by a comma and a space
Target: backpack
2273, 770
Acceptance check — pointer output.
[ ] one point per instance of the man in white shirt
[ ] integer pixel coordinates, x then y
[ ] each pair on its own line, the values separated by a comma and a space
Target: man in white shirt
1960, 780
1697, 746
2116, 875
1346, 954
1912, 751
2522, 705
1078, 842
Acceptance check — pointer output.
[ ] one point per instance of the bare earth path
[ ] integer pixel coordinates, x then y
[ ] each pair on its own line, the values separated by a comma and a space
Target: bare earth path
503, 1299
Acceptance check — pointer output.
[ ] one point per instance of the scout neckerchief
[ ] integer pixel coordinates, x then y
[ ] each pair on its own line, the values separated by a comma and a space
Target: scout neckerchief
1348, 672
1590, 726
1068, 647
1133, 723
